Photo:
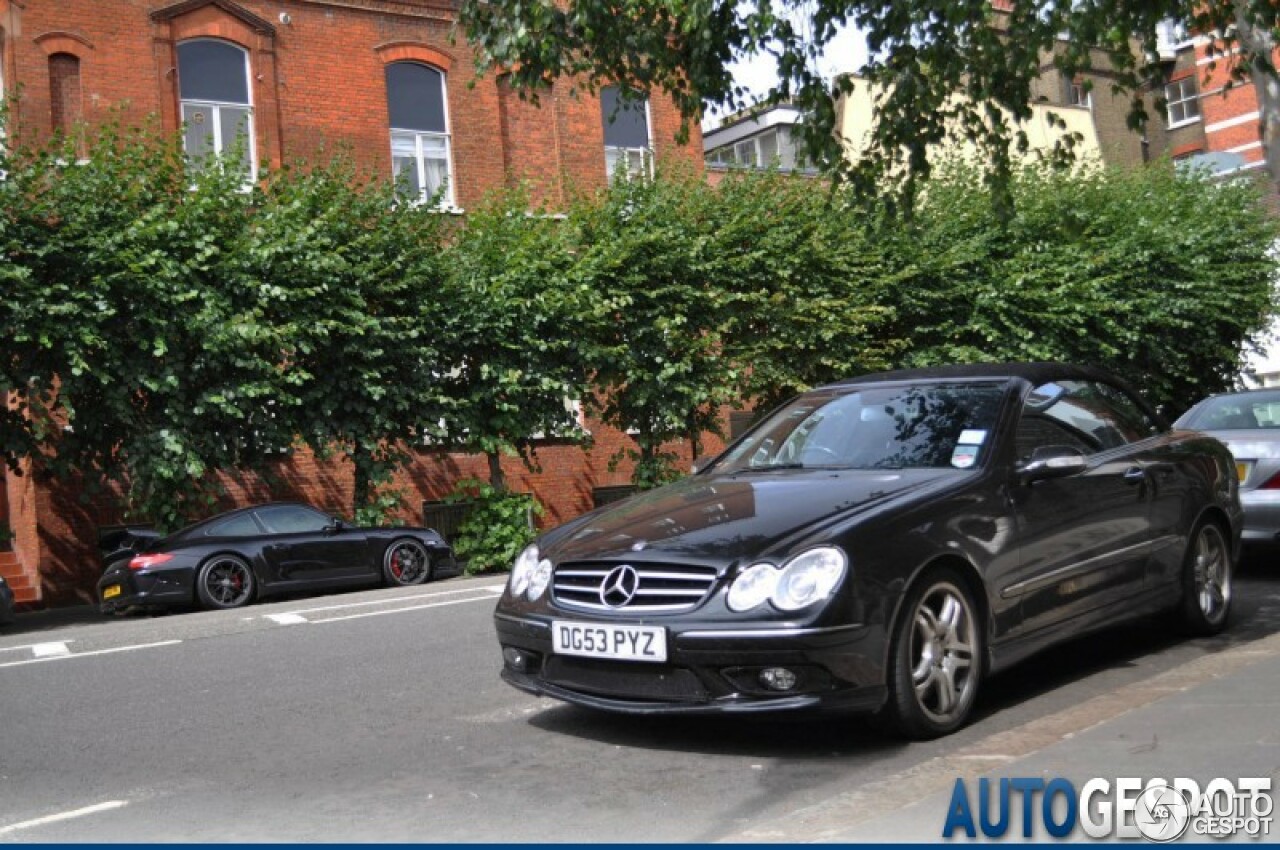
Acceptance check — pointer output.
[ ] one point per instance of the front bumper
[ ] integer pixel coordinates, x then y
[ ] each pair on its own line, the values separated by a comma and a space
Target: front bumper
707, 670
144, 589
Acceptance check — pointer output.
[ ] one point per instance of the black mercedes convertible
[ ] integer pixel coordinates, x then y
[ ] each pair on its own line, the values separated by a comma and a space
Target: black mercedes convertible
230, 559
882, 545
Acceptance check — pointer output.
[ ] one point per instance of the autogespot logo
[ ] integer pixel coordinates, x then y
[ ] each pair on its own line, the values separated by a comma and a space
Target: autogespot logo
1158, 810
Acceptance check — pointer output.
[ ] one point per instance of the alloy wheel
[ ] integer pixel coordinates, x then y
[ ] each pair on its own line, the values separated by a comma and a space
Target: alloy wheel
407, 562
1212, 574
228, 582
942, 644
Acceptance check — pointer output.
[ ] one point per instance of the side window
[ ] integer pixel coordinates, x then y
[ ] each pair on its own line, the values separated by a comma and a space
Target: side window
236, 526
1085, 415
291, 519
217, 115
1129, 415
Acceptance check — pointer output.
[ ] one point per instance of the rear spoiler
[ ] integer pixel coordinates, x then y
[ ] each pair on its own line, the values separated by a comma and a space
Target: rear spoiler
118, 541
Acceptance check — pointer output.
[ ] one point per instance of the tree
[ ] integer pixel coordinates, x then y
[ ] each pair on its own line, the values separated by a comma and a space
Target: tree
133, 349
1163, 278
164, 323
352, 277
514, 362
941, 67
808, 286
656, 337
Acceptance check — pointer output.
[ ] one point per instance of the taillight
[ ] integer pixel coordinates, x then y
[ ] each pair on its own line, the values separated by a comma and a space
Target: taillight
143, 562
1272, 483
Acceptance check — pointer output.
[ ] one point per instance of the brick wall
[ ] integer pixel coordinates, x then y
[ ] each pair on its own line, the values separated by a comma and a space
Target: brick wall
317, 83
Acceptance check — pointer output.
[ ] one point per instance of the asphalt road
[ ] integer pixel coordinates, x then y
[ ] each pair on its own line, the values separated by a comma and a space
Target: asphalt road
379, 716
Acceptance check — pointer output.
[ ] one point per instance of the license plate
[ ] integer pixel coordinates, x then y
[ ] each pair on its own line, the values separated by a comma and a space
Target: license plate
1242, 470
112, 591
601, 640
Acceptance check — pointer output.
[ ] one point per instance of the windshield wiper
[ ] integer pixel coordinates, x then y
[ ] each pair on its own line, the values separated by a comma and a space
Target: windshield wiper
770, 467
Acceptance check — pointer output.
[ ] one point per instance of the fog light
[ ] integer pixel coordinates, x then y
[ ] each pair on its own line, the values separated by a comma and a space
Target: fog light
517, 659
777, 678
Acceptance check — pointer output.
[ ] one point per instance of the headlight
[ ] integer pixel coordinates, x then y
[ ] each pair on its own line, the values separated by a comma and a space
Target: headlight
523, 569
752, 587
539, 580
808, 578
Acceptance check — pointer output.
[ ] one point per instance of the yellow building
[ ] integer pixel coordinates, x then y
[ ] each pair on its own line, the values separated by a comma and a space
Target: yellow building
854, 113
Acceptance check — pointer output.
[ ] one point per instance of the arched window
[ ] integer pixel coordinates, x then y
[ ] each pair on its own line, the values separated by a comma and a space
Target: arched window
419, 130
627, 146
217, 113
64, 91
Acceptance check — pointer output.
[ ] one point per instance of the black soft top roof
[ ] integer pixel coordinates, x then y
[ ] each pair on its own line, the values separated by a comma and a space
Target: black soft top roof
1035, 373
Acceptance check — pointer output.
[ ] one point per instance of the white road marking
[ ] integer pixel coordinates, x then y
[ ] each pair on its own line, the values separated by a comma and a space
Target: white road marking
70, 656
492, 588
401, 610
31, 646
50, 650
287, 619
61, 816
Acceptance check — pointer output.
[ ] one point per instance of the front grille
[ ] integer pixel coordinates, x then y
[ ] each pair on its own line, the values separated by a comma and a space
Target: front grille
659, 587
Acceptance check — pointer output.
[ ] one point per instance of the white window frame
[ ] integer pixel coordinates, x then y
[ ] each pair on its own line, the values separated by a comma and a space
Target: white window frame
1078, 95
646, 153
447, 203
1194, 97
215, 107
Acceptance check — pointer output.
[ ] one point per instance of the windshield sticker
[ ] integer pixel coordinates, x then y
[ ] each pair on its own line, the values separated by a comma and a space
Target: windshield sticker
972, 437
964, 456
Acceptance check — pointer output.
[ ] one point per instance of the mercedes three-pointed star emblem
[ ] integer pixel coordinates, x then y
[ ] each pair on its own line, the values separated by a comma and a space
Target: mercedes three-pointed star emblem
619, 586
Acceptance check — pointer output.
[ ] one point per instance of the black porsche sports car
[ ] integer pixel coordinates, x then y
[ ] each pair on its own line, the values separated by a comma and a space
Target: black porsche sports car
228, 560
881, 545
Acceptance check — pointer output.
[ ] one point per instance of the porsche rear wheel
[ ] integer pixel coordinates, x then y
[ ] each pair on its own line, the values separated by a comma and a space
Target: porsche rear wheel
224, 581
406, 563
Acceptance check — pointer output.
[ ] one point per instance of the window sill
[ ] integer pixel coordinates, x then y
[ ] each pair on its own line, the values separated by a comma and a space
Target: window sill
1186, 122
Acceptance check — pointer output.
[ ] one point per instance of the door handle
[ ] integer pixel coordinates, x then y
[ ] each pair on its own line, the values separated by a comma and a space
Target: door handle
1135, 474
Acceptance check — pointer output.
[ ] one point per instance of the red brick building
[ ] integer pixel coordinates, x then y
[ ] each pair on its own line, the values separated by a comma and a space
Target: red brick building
288, 79
1228, 114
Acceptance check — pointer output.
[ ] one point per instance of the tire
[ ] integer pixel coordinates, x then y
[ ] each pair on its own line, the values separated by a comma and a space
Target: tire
406, 563
225, 581
1207, 573
935, 658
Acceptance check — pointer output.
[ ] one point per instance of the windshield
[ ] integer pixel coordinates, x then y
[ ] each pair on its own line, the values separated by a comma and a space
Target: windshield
930, 426
1245, 412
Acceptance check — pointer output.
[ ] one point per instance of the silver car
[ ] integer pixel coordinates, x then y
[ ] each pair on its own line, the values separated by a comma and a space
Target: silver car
1249, 424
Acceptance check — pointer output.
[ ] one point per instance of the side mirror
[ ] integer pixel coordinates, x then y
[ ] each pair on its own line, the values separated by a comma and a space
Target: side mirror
1051, 462
335, 525
701, 463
